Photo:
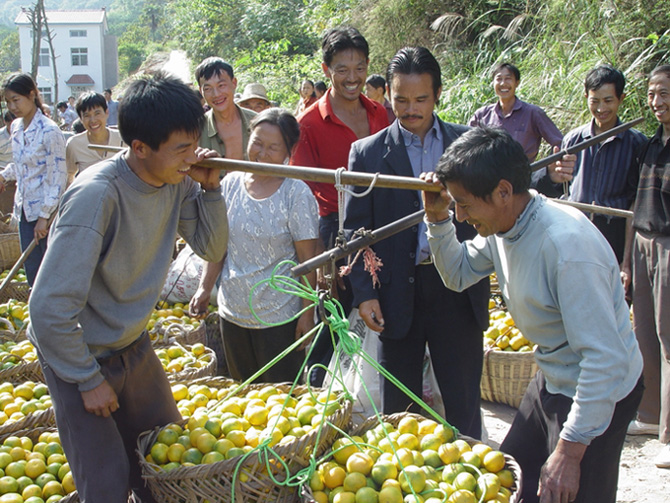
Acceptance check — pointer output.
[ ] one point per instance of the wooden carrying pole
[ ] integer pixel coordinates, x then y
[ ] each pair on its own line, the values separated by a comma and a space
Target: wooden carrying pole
358, 179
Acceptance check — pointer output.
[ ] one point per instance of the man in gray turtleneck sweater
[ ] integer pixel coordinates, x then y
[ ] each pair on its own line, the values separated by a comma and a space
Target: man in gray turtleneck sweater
110, 249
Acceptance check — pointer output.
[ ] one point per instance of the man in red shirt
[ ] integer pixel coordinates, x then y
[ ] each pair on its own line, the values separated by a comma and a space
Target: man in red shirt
327, 130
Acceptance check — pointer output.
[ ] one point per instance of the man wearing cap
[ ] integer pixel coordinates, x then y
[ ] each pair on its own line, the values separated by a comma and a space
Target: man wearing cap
255, 98
226, 127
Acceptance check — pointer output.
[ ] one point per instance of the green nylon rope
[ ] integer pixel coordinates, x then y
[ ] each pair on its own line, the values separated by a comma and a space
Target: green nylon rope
350, 345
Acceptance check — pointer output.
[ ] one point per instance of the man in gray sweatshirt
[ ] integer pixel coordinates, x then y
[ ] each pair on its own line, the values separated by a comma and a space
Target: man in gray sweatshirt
560, 280
110, 250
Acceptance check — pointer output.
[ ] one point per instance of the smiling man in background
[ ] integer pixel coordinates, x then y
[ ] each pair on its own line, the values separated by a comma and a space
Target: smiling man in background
93, 113
226, 128
602, 171
527, 123
327, 130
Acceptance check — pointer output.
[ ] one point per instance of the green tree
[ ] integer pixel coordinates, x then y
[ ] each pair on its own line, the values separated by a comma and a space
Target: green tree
9, 52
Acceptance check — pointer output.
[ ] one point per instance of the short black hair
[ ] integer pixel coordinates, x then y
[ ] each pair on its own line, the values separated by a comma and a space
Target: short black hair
61, 104
78, 126
285, 121
89, 101
515, 71
480, 158
341, 39
320, 86
212, 66
377, 81
154, 107
660, 69
604, 74
108, 90
415, 60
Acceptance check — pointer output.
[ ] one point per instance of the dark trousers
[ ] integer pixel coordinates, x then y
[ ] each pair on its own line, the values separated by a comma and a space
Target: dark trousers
443, 319
248, 350
322, 347
101, 451
535, 432
34, 260
614, 230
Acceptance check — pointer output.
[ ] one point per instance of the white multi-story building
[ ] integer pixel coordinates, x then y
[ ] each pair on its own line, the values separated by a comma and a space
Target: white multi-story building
86, 55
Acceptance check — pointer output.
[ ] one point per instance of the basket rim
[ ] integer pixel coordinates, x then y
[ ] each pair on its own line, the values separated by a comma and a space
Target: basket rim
340, 418
395, 418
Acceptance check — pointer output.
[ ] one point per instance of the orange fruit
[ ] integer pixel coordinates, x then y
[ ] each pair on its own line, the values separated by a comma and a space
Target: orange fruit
494, 461
354, 481
334, 477
360, 462
35, 467
390, 494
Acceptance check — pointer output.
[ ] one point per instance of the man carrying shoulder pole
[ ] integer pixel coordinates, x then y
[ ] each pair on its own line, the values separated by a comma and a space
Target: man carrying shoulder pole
560, 280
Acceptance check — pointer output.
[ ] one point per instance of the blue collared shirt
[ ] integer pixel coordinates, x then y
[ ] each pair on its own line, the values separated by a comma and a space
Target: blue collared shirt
601, 171
423, 158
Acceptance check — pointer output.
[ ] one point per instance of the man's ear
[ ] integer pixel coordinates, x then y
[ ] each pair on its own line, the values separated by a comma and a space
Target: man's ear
324, 67
504, 191
140, 149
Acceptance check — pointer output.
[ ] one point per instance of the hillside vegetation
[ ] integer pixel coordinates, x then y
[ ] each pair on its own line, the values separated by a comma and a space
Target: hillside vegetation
277, 42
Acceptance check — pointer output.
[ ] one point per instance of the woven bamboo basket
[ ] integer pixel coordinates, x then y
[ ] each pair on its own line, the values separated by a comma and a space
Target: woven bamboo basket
10, 249
505, 376
171, 330
17, 290
7, 226
23, 370
190, 374
213, 482
394, 419
43, 418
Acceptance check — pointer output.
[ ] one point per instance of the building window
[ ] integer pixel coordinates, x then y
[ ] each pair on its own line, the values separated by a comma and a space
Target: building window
77, 33
45, 92
79, 56
44, 56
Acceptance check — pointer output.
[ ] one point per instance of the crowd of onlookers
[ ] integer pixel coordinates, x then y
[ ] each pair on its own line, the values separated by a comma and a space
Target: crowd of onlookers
387, 124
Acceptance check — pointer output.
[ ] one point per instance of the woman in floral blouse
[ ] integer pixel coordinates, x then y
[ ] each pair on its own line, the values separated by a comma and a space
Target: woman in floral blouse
38, 152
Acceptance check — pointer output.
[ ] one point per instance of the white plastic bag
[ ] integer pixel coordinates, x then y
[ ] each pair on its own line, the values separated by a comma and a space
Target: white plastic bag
431, 390
354, 380
183, 278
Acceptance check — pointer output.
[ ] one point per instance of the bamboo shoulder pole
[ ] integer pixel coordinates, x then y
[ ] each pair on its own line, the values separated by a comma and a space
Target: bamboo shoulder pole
352, 178
303, 173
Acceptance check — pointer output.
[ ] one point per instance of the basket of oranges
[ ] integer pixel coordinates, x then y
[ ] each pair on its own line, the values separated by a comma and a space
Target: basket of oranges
171, 323
42, 469
406, 457
243, 447
18, 357
182, 362
17, 289
24, 405
509, 364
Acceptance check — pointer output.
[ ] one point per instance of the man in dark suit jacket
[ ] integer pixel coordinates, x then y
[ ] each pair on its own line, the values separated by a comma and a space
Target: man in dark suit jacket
412, 306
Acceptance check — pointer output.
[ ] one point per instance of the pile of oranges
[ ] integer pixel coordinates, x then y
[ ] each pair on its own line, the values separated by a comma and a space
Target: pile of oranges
232, 427
34, 473
417, 462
